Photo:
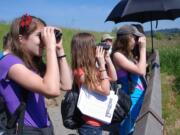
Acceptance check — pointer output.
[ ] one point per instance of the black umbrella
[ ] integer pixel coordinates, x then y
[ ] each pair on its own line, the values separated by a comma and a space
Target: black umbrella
145, 10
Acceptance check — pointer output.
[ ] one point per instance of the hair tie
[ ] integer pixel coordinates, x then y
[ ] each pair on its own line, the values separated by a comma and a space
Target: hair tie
24, 23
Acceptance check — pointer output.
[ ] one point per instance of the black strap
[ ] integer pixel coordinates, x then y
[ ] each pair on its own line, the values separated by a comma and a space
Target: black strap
20, 122
130, 83
115, 86
3, 56
17, 118
24, 98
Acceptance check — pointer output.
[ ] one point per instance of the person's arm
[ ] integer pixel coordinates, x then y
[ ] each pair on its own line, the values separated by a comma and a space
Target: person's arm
49, 84
104, 87
65, 71
142, 59
139, 68
110, 68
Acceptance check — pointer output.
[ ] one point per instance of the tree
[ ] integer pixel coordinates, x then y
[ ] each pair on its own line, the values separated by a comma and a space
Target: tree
159, 35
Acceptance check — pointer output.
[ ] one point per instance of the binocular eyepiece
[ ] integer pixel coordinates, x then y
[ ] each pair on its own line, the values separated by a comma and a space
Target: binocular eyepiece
58, 35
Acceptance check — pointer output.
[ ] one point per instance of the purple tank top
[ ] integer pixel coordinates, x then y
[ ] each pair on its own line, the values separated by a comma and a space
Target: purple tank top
123, 79
36, 114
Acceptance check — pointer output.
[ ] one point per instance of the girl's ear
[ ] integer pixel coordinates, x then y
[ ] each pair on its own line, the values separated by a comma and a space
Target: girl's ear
21, 39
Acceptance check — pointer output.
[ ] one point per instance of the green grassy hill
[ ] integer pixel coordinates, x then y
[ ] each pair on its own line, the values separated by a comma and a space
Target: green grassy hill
3, 30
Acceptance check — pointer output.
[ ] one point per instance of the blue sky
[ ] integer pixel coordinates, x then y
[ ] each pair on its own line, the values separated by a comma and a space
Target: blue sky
79, 14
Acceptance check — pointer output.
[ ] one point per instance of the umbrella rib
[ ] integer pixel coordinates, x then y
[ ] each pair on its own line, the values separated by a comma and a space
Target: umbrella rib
124, 11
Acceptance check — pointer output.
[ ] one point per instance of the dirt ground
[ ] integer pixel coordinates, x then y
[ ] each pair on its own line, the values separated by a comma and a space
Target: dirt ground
54, 109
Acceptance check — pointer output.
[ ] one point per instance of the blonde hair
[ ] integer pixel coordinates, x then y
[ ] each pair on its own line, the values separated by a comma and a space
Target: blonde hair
83, 49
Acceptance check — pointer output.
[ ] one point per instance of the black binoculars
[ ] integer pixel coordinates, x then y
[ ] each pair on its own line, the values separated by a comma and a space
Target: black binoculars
57, 33
104, 45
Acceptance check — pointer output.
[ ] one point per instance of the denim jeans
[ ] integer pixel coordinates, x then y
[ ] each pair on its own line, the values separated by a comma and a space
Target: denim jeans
89, 130
112, 129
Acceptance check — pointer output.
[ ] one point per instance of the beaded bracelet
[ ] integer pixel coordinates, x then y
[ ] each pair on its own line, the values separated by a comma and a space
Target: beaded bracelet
62, 56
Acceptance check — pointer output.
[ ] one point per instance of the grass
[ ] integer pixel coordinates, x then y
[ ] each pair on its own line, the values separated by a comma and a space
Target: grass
170, 103
170, 82
3, 30
170, 61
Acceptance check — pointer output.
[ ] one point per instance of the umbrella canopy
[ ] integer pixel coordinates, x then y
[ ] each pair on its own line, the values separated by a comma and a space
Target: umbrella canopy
117, 11
144, 11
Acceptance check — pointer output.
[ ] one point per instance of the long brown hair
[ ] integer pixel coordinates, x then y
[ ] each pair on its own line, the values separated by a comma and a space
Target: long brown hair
83, 50
122, 45
34, 63
7, 40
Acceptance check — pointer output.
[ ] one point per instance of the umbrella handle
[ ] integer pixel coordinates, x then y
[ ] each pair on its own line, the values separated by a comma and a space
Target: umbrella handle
152, 38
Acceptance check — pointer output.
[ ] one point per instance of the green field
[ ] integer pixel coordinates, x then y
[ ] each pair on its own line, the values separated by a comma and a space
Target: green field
3, 30
170, 80
169, 50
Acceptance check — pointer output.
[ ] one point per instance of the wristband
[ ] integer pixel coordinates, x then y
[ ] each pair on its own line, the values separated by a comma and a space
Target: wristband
104, 78
62, 56
102, 70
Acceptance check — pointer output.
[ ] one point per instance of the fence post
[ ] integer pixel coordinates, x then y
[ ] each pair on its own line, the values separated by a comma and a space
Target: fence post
150, 120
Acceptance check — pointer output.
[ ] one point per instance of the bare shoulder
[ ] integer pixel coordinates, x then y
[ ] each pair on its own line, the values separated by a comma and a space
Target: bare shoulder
18, 69
117, 56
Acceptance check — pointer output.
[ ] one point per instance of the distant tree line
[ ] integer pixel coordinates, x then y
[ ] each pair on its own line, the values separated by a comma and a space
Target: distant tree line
167, 32
159, 34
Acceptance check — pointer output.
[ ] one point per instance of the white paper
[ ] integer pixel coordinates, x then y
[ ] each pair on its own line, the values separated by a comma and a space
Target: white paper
97, 106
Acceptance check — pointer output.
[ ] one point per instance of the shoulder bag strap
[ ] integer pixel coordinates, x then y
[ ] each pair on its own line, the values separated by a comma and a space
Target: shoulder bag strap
115, 86
17, 118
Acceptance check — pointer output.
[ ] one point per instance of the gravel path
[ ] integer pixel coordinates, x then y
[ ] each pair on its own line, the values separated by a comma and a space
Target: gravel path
53, 106
59, 129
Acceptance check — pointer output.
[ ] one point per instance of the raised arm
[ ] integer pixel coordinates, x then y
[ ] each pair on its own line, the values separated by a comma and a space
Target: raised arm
104, 87
110, 68
138, 68
64, 69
